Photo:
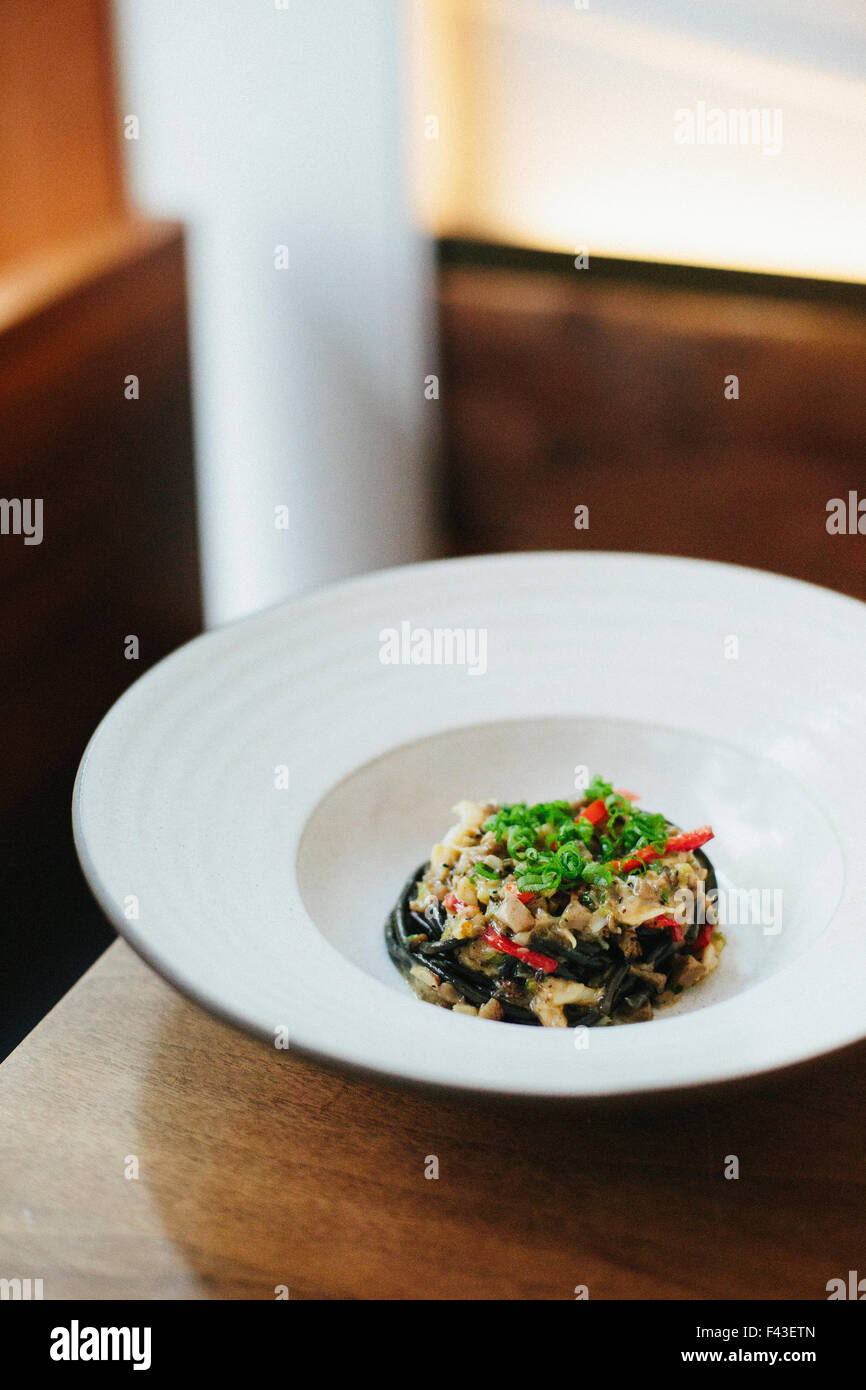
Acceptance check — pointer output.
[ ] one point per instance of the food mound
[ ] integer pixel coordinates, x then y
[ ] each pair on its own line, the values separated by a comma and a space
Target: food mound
559, 914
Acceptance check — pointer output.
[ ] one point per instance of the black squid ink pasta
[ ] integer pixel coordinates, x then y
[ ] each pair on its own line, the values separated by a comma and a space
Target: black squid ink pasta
590, 912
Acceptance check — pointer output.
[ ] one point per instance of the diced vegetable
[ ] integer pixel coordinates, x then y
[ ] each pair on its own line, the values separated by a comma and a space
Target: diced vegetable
523, 897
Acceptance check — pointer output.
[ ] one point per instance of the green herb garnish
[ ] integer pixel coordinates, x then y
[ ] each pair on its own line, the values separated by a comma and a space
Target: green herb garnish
552, 850
485, 871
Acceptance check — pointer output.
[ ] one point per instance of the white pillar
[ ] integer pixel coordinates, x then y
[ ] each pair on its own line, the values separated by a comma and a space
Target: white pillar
265, 127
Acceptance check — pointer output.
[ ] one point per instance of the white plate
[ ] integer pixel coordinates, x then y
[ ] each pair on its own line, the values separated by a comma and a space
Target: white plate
267, 903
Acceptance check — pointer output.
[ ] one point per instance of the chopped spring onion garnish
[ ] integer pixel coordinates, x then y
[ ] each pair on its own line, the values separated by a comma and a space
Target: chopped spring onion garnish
552, 849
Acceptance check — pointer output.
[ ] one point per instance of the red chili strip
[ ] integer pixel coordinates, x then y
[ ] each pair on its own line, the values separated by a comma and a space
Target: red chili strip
510, 948
677, 844
668, 923
702, 940
692, 839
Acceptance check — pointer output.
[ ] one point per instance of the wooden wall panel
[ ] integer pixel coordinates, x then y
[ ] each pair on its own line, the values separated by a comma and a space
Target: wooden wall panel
559, 389
60, 164
89, 296
119, 556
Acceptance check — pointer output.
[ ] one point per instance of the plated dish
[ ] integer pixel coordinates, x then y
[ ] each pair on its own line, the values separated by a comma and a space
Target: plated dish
248, 811
559, 914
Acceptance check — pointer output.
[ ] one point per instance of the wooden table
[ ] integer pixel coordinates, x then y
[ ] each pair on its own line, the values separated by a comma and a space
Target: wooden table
258, 1169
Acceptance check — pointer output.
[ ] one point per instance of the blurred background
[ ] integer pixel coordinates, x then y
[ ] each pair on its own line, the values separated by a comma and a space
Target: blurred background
294, 289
